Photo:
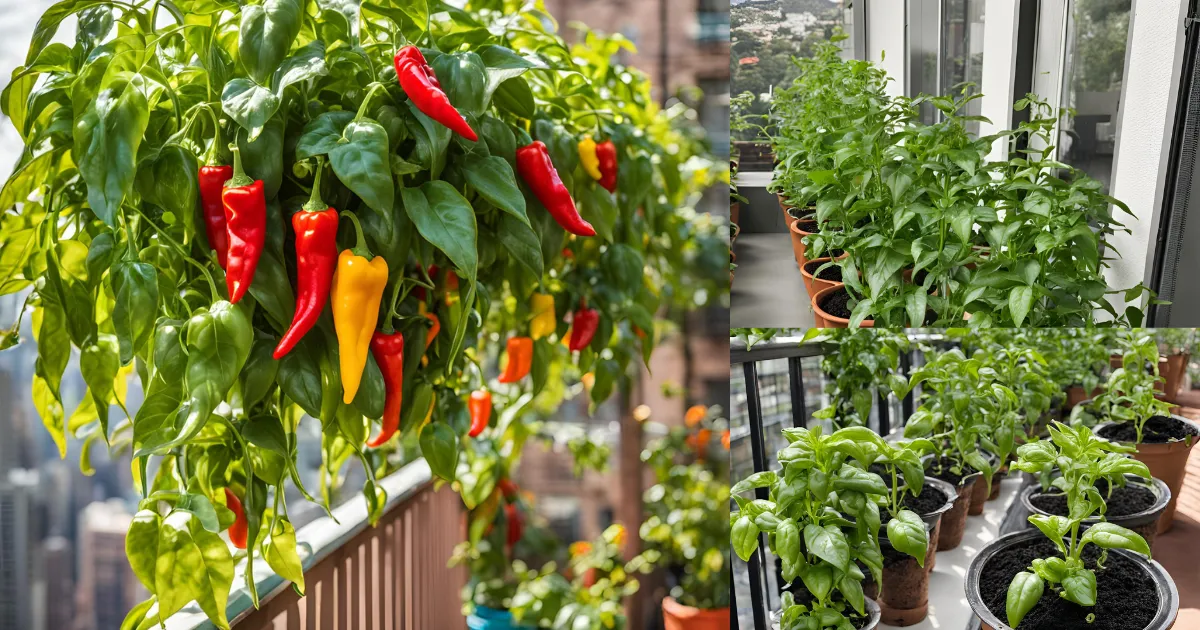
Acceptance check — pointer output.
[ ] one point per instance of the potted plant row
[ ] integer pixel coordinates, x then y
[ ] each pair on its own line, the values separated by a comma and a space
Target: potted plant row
932, 232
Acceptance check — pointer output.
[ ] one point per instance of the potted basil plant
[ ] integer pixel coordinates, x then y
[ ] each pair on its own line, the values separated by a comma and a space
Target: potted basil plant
1069, 573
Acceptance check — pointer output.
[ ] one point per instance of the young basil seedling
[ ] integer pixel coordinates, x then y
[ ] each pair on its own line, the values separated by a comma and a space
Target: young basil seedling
1129, 394
1083, 459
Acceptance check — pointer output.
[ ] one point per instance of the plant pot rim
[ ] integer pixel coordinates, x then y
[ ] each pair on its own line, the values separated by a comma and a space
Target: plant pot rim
793, 226
1195, 438
1168, 593
1162, 496
965, 481
873, 615
672, 605
931, 519
816, 299
823, 259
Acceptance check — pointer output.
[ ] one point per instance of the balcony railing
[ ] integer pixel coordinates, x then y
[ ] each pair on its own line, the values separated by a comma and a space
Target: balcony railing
358, 577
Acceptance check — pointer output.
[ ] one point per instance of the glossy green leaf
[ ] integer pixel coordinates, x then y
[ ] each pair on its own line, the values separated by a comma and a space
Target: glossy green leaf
362, 164
107, 138
266, 34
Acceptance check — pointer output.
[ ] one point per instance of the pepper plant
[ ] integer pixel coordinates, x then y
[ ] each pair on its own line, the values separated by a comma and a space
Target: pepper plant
1083, 459
445, 135
822, 519
858, 363
1129, 394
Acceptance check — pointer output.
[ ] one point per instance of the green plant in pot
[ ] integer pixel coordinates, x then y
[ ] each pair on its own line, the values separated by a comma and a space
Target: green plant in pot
822, 520
1175, 345
913, 509
858, 363
1132, 413
683, 530
1071, 572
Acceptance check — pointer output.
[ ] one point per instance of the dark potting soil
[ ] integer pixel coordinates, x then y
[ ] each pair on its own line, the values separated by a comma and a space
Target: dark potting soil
1131, 499
940, 469
1126, 597
837, 303
1158, 430
805, 598
807, 225
835, 253
832, 272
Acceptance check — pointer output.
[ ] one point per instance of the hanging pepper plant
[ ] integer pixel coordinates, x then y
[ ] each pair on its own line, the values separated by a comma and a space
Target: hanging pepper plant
200, 177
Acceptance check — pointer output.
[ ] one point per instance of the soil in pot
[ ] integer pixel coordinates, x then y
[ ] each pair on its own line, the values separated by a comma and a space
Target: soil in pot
1158, 430
954, 521
832, 273
837, 303
1126, 595
1131, 499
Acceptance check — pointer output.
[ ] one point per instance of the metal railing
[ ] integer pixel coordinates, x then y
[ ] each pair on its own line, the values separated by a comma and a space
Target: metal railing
393, 576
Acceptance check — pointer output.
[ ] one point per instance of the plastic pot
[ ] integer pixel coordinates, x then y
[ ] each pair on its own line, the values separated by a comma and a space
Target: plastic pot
825, 320
1144, 522
491, 619
869, 605
1168, 595
676, 616
904, 593
812, 284
799, 229
954, 521
1167, 461
734, 210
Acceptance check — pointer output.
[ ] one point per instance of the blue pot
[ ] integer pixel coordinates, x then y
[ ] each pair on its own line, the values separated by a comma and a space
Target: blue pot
490, 619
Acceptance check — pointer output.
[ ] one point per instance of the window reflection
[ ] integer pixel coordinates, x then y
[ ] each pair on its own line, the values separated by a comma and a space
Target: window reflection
1097, 31
945, 50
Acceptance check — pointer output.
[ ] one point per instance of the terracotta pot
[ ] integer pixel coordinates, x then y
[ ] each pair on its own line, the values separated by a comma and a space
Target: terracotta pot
1144, 522
1176, 368
799, 230
825, 320
812, 284
1076, 395
1168, 594
676, 616
1166, 461
954, 521
734, 211
979, 496
995, 494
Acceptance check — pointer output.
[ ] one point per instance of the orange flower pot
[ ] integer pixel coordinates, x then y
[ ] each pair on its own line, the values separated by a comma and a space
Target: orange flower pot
812, 284
824, 319
676, 616
800, 229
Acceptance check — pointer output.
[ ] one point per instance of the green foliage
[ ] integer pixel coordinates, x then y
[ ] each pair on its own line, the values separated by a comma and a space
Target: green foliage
935, 233
1130, 393
99, 219
1082, 460
822, 519
858, 363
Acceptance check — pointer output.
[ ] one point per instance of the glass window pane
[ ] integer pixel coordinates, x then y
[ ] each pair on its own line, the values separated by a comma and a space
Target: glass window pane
962, 51
1097, 31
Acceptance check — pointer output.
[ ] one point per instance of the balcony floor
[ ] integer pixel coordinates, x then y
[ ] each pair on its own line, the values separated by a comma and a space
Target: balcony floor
768, 291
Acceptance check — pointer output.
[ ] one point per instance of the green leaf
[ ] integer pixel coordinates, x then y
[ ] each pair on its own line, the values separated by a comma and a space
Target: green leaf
322, 134
280, 552
107, 137
135, 285
168, 181
361, 163
1019, 302
464, 80
827, 543
307, 63
192, 563
1112, 536
522, 243
248, 104
266, 34
47, 25
906, 533
439, 446
493, 178
141, 546
1080, 586
99, 364
744, 534
445, 219
1023, 594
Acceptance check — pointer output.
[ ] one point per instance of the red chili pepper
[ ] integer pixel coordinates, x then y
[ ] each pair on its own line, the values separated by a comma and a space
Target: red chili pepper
246, 224
388, 350
584, 323
316, 258
536, 169
433, 329
520, 359
212, 180
515, 524
422, 87
606, 153
239, 532
480, 407
508, 488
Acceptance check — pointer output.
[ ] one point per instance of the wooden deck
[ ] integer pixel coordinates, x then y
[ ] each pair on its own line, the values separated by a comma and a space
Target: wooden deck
1179, 549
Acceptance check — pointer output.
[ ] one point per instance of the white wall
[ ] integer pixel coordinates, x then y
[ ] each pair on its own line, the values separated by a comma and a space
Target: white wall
1147, 117
999, 58
886, 33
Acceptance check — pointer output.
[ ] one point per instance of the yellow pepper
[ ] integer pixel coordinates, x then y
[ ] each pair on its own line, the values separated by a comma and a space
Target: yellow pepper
358, 284
544, 322
589, 159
